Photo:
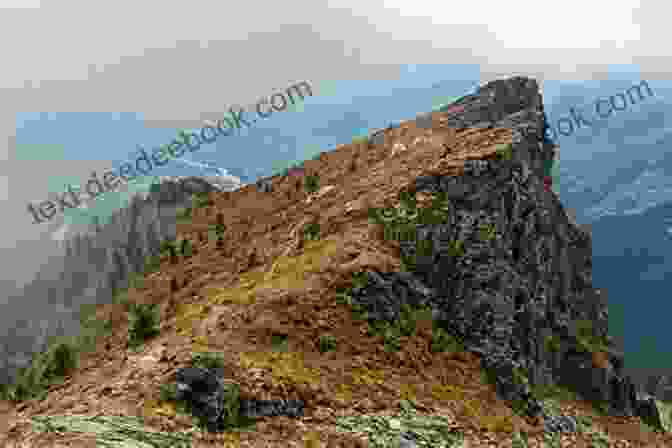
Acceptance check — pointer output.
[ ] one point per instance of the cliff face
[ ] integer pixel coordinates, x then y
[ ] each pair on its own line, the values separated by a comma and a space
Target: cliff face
522, 297
505, 271
96, 261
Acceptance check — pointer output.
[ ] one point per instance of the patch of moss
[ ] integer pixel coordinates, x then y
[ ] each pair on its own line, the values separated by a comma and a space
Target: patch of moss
586, 339
553, 392
487, 232
400, 223
552, 343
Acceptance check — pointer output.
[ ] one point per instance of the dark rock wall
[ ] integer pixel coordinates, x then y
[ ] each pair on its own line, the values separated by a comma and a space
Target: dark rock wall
507, 297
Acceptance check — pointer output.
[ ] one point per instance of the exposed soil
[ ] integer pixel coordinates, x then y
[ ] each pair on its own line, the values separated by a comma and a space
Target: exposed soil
266, 281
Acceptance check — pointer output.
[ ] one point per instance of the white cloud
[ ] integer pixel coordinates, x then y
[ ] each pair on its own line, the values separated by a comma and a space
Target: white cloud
19, 4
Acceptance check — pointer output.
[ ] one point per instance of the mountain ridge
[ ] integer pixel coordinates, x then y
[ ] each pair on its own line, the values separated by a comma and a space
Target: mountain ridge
520, 277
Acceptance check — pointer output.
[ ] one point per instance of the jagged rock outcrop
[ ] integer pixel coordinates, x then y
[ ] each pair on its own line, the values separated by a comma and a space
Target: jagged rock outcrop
522, 298
217, 403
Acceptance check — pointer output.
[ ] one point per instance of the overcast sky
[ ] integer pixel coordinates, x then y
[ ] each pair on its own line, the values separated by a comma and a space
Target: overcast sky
178, 63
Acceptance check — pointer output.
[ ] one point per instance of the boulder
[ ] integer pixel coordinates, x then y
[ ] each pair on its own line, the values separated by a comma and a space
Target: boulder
217, 403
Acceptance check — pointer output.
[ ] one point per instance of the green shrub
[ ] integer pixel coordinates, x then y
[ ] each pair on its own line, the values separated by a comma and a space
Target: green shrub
552, 392
586, 339
136, 280
359, 311
152, 264
327, 343
409, 263
184, 214
144, 323
218, 230
169, 246
344, 296
168, 392
377, 327
311, 231
207, 360
552, 440
186, 248
442, 341
585, 423
602, 407
456, 248
519, 440
520, 376
505, 151
47, 367
552, 343
279, 342
600, 439
311, 183
61, 359
392, 338
487, 232
360, 279
407, 321
425, 248
201, 200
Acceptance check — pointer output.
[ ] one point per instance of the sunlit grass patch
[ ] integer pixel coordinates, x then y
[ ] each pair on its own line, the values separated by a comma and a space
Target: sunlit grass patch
285, 367
448, 392
368, 377
288, 273
187, 314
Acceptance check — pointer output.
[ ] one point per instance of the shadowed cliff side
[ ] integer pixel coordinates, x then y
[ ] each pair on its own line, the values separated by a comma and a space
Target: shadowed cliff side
97, 260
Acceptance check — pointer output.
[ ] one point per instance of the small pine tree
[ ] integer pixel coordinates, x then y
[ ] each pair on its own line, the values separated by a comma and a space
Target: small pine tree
312, 183
186, 248
169, 246
144, 323
220, 228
